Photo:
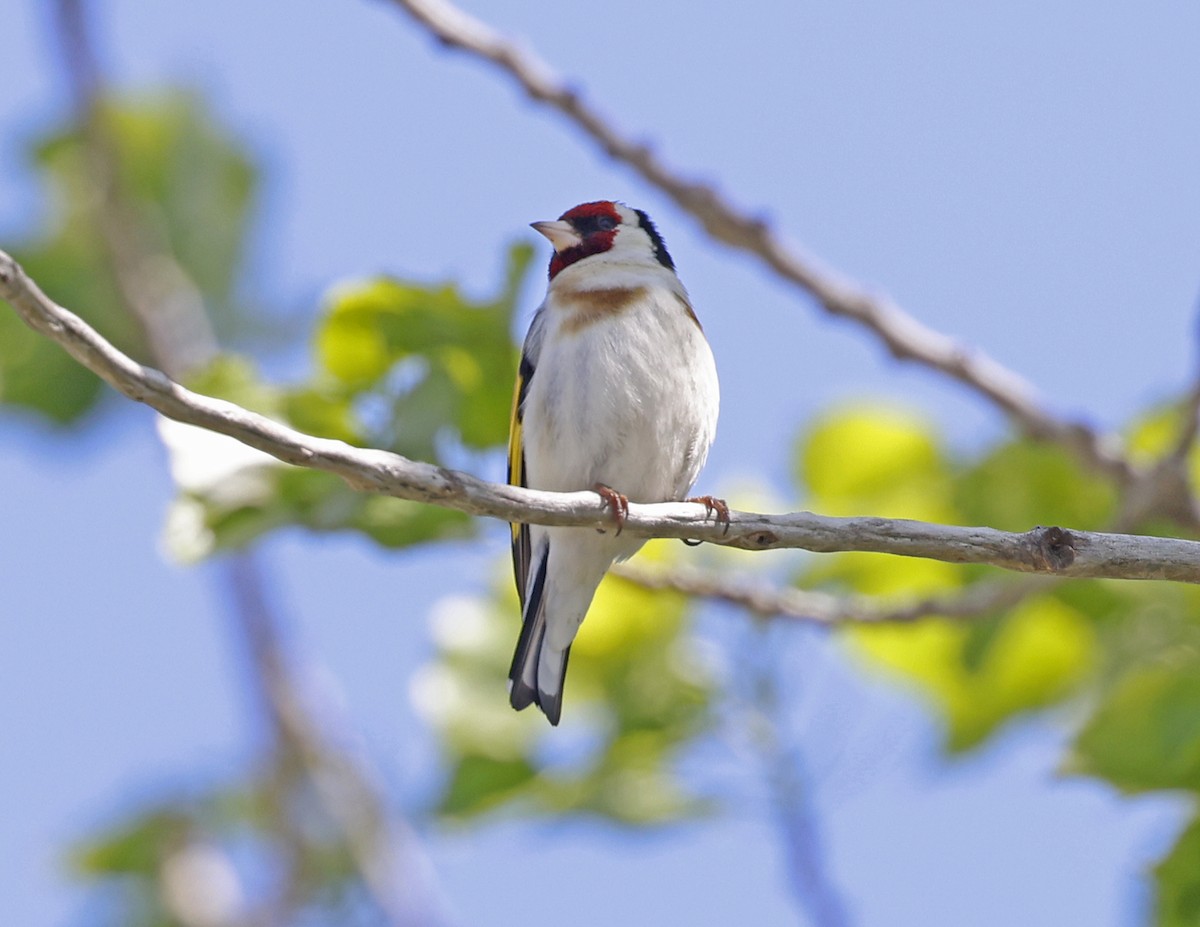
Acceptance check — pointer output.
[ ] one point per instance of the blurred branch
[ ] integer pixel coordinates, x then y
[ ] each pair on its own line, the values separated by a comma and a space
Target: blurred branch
1164, 489
1049, 550
158, 293
161, 297
765, 600
1190, 422
903, 335
343, 782
790, 784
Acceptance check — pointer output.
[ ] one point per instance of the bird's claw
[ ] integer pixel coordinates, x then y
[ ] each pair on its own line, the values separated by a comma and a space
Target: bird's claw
713, 504
616, 502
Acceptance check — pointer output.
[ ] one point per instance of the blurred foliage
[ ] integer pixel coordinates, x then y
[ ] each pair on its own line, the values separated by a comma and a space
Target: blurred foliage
261, 846
1178, 878
424, 370
984, 672
1126, 653
419, 370
431, 361
638, 694
979, 673
189, 184
186, 182
1145, 733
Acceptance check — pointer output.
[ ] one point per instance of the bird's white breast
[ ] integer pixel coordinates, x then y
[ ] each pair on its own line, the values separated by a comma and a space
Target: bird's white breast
624, 393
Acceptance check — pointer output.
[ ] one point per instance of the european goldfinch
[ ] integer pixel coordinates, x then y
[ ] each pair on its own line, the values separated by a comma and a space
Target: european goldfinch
617, 392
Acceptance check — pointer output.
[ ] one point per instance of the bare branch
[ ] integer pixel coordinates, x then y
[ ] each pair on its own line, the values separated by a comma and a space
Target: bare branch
1050, 550
902, 334
1164, 489
765, 600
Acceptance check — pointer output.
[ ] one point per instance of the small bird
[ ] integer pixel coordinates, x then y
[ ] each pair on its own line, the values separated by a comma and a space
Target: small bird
616, 392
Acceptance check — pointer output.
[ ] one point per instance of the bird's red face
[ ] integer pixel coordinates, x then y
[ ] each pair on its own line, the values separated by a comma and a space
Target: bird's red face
596, 228
587, 229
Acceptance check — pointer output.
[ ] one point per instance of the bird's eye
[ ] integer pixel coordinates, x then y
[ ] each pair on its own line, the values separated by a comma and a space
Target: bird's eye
590, 225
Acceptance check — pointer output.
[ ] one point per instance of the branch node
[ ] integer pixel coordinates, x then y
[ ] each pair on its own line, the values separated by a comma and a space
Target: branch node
639, 152
569, 94
762, 540
452, 482
1054, 549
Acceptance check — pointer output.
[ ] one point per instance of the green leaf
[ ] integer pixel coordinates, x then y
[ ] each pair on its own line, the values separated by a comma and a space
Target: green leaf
35, 373
236, 379
136, 848
479, 783
400, 523
321, 502
427, 359
633, 783
189, 185
637, 695
248, 495
187, 189
1145, 735
874, 460
38, 375
1022, 484
1178, 881
980, 677
1153, 433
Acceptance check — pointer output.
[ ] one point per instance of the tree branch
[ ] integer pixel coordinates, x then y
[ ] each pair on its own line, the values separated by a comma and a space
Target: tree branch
1164, 488
1050, 550
769, 601
903, 335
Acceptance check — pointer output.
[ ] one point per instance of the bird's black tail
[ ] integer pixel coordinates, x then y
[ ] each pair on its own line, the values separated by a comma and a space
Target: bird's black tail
526, 688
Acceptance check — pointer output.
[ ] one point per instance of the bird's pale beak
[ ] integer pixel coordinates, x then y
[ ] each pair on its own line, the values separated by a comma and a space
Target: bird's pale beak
560, 233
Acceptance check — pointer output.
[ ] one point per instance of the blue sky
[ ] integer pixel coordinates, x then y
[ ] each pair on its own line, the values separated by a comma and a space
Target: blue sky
1021, 175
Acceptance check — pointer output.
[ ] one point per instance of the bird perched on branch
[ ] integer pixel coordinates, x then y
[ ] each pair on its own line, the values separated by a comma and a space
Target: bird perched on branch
616, 392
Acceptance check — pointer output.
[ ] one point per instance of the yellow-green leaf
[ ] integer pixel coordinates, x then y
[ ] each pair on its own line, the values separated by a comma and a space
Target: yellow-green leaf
1146, 734
874, 460
1031, 659
1178, 881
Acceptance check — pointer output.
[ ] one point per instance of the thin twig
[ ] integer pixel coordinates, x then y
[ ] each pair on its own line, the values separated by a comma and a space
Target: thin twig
1165, 488
765, 600
903, 335
1051, 550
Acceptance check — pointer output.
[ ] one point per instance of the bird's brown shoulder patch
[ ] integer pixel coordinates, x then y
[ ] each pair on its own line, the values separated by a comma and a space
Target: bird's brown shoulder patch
586, 307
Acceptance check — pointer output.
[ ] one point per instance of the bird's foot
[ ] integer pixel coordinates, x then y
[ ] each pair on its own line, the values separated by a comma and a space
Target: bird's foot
713, 504
617, 503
